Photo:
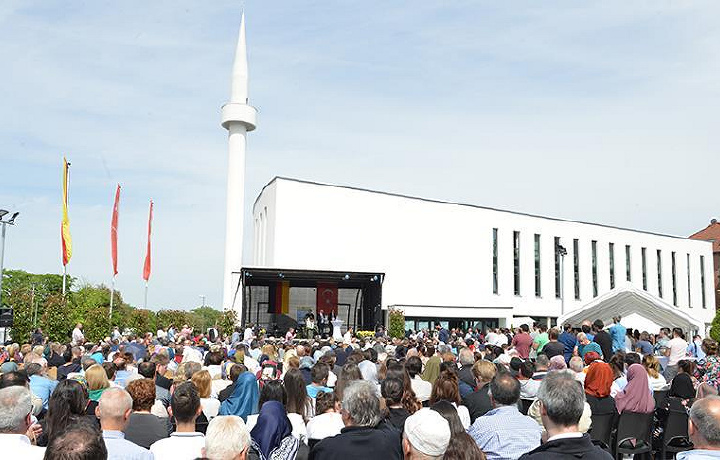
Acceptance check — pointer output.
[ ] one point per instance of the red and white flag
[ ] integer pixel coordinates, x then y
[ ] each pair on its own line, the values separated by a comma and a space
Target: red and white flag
146, 269
114, 230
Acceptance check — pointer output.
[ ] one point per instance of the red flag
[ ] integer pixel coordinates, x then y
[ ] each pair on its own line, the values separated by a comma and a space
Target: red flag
146, 270
327, 298
114, 229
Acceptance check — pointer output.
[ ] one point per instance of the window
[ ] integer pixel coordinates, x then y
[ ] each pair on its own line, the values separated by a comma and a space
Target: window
495, 260
576, 263
558, 285
673, 269
688, 282
644, 267
516, 261
702, 280
594, 268
538, 288
659, 273
628, 263
611, 250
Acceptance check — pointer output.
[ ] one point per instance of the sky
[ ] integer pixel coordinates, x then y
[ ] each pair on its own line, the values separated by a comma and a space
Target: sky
596, 111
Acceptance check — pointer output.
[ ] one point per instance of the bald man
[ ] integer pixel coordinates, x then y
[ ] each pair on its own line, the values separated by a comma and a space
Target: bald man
114, 412
704, 429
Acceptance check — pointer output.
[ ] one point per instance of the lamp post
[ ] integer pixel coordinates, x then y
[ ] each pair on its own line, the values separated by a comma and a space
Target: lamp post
562, 252
4, 223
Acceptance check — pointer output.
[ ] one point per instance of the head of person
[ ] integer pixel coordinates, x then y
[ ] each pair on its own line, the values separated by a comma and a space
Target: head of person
504, 390
297, 397
142, 392
325, 402
319, 374
14, 379
360, 404
466, 357
616, 319
69, 399
392, 389
678, 332
227, 438
79, 441
652, 366
586, 326
704, 423
114, 409
576, 364
185, 403
147, 369
414, 366
710, 347
590, 357
557, 363
542, 363
483, 371
562, 402
273, 390
524, 328
203, 382
449, 413
527, 369
446, 387
426, 435
599, 380
96, 378
598, 325
15, 410
553, 334
686, 366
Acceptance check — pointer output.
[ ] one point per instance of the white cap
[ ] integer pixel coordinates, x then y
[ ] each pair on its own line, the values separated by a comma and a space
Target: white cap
428, 432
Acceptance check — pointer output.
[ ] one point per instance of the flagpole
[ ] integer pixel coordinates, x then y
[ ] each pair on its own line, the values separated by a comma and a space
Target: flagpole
146, 289
64, 274
112, 297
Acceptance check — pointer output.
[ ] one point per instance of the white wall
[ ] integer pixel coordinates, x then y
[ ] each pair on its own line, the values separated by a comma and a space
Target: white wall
440, 254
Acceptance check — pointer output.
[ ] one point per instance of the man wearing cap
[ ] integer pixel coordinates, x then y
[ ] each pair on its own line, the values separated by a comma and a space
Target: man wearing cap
426, 435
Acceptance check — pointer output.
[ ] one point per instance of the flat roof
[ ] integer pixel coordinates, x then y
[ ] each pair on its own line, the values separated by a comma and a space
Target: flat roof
428, 200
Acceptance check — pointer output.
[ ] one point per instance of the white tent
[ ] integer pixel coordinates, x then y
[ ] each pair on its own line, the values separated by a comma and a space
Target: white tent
517, 321
627, 300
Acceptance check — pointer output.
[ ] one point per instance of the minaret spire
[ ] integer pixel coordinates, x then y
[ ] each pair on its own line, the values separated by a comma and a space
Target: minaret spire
238, 118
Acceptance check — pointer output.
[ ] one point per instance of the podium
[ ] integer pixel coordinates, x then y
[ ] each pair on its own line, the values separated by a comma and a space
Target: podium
337, 324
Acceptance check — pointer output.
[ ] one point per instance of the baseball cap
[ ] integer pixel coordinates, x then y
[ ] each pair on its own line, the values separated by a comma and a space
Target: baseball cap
428, 432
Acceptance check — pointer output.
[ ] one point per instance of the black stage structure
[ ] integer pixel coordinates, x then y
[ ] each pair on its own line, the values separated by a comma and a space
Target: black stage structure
277, 299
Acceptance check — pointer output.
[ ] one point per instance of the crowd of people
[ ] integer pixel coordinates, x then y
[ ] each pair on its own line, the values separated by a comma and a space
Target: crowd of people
434, 394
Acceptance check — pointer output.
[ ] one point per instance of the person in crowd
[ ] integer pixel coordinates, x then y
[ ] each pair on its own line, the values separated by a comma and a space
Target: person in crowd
694, 348
446, 388
643, 346
598, 381
15, 424
652, 366
203, 382
271, 437
319, 376
432, 366
72, 356
635, 397
557, 363
233, 374
78, 338
577, 367
328, 421
466, 359
149, 370
675, 351
114, 412
711, 367
504, 433
704, 430
144, 428
705, 390
185, 442
569, 341
522, 342
562, 405
617, 334
461, 446
478, 403
584, 345
40, 384
542, 366
426, 435
421, 387
541, 339
68, 403
680, 398
528, 386
553, 348
298, 401
603, 339
227, 438
97, 383
363, 436
244, 399
392, 390
274, 390
79, 441
409, 401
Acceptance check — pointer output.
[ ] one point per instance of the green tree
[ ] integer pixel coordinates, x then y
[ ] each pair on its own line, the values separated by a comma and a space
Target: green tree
715, 329
396, 323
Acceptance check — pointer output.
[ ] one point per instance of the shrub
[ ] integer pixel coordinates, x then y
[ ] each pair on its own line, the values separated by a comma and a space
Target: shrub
396, 323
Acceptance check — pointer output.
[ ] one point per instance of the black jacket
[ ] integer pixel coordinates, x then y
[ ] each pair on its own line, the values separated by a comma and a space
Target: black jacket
603, 339
361, 443
465, 375
569, 448
478, 403
226, 392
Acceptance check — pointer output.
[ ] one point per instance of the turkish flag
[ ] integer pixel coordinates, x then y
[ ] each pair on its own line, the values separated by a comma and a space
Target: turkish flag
327, 298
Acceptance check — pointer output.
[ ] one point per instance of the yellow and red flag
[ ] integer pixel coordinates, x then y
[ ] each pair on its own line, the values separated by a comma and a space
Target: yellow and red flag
114, 230
65, 225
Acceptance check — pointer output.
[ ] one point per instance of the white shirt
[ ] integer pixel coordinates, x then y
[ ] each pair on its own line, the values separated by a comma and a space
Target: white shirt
179, 446
210, 406
464, 415
248, 335
325, 425
677, 347
422, 389
347, 338
161, 334
18, 446
77, 336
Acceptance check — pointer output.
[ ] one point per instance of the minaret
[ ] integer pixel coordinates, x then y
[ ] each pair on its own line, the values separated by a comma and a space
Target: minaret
238, 118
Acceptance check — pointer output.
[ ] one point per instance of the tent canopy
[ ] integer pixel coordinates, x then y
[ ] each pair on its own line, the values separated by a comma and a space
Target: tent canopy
627, 299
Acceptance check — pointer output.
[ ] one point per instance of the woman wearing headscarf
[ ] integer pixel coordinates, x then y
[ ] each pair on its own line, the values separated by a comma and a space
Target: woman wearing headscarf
680, 398
272, 437
557, 363
636, 396
244, 399
598, 381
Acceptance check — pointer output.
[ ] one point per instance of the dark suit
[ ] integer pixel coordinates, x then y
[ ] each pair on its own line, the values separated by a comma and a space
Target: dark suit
569, 448
478, 403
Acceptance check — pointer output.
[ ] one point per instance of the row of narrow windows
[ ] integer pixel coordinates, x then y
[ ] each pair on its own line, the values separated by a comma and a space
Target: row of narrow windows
561, 252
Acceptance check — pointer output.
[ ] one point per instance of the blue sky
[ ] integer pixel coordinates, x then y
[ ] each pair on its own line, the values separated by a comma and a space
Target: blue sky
595, 111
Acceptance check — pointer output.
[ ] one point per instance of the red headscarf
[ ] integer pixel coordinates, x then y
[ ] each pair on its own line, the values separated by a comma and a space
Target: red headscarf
599, 379
636, 396
591, 356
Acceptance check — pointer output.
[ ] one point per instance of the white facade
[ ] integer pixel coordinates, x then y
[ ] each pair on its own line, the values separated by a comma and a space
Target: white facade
438, 257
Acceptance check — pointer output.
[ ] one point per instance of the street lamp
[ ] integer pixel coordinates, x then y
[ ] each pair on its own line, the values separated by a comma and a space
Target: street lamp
4, 223
562, 252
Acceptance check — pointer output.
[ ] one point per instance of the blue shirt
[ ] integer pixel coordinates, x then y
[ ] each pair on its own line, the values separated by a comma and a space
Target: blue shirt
569, 341
505, 434
617, 333
42, 387
313, 391
119, 448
